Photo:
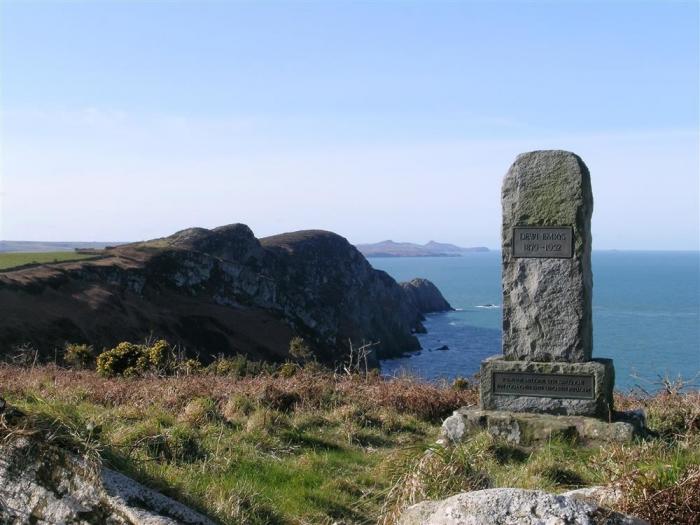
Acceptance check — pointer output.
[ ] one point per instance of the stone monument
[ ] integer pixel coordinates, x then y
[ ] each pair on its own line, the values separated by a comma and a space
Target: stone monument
546, 383
547, 364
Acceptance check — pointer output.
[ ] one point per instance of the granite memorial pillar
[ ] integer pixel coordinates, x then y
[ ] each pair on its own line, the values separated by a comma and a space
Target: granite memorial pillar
547, 364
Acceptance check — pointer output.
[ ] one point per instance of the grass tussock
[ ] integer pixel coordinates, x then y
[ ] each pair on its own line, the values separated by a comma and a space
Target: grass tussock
309, 446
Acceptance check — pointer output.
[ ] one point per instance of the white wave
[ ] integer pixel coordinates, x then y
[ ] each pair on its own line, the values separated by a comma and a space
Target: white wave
487, 306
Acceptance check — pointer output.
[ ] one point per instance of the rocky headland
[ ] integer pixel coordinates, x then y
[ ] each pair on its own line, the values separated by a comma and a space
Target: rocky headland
425, 296
219, 291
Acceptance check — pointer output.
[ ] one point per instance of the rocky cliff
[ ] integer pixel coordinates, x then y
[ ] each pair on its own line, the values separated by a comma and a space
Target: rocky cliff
216, 291
425, 296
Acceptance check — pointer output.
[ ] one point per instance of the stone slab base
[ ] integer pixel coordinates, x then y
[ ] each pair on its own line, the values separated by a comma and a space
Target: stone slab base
531, 429
572, 389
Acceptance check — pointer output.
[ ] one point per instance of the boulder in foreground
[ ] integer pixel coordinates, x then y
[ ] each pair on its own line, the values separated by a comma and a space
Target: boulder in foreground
512, 507
47, 485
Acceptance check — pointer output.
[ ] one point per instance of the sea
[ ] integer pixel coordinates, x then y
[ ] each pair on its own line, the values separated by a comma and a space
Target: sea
646, 315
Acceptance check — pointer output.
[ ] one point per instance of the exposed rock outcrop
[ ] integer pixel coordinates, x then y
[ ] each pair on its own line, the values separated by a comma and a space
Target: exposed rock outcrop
512, 507
603, 495
425, 296
45, 485
216, 291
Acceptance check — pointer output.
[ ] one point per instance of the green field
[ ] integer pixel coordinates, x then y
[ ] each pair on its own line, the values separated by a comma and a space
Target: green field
11, 259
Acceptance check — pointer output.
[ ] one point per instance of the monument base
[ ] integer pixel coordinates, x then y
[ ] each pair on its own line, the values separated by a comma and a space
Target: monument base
526, 429
560, 388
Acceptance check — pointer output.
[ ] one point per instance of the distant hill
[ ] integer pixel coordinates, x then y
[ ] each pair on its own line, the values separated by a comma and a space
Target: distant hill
409, 249
40, 246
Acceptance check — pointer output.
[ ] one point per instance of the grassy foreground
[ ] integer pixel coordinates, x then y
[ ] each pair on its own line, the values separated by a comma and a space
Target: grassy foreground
13, 259
321, 448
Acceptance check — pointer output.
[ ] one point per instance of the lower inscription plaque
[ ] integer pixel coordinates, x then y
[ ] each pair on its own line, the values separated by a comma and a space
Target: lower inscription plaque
543, 385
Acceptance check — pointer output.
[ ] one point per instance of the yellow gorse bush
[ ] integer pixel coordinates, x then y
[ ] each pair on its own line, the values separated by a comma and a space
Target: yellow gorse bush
78, 355
130, 359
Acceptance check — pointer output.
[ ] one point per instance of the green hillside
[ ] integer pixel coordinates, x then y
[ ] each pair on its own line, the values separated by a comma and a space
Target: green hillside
12, 260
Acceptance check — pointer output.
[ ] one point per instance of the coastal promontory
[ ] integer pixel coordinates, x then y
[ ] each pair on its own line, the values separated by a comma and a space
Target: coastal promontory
217, 291
425, 296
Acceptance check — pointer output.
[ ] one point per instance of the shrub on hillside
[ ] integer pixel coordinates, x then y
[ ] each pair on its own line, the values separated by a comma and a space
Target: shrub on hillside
229, 366
288, 370
299, 351
189, 367
130, 359
239, 366
158, 356
79, 356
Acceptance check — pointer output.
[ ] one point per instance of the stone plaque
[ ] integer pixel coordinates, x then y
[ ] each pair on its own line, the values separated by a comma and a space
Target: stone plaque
543, 385
540, 241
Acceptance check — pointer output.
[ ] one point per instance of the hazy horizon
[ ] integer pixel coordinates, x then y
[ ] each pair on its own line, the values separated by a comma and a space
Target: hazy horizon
375, 121
490, 248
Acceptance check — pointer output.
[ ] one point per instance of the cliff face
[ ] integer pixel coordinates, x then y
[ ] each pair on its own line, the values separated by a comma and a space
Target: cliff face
214, 291
425, 296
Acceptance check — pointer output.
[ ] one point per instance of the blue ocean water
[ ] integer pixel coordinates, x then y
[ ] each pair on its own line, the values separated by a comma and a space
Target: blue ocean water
646, 314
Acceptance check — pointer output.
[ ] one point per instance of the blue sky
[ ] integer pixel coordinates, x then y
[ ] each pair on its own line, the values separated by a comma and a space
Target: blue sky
130, 120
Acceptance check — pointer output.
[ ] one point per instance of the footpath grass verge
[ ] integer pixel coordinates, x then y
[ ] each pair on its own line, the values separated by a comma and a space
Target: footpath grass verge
321, 448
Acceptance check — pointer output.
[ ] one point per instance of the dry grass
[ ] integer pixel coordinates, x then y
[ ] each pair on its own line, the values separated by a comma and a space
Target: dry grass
647, 495
255, 449
303, 391
52, 426
660, 478
434, 473
317, 447
673, 414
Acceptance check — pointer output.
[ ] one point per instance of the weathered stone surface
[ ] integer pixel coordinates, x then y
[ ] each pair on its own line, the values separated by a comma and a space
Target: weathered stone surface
600, 405
605, 496
529, 429
512, 507
44, 485
547, 301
